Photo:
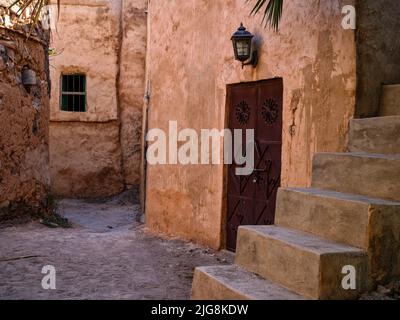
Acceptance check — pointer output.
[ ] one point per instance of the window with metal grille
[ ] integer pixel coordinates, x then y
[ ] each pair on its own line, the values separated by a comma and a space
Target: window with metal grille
73, 92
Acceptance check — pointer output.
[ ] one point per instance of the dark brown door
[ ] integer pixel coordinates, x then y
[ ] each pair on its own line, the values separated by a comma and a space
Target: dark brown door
252, 199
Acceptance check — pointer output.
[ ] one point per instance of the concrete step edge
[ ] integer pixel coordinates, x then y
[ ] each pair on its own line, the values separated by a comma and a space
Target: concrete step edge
391, 86
389, 157
376, 121
323, 193
248, 284
303, 241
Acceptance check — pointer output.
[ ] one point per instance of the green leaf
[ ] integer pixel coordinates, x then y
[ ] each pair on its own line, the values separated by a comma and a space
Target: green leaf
272, 12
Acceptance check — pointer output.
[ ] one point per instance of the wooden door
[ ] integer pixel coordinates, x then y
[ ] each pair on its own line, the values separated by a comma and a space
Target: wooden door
252, 199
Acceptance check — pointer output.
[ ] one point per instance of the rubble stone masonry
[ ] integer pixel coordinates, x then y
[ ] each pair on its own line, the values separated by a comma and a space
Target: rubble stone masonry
24, 131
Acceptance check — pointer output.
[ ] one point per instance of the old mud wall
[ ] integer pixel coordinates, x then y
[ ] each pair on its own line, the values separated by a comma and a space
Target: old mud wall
132, 86
24, 131
97, 153
378, 52
190, 62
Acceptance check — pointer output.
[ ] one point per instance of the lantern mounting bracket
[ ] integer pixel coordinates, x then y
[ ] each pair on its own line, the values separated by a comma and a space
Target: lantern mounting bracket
253, 61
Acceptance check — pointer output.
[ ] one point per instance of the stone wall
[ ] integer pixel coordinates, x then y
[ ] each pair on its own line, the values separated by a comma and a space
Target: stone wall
97, 153
132, 86
378, 52
24, 136
190, 62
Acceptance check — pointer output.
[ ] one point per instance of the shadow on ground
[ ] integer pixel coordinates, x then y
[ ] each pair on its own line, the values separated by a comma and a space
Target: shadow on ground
106, 255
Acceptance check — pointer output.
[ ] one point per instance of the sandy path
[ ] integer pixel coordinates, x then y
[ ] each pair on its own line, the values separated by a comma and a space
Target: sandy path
105, 256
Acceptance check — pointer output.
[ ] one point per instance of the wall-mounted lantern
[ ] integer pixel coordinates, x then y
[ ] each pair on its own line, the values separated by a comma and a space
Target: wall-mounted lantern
242, 46
28, 77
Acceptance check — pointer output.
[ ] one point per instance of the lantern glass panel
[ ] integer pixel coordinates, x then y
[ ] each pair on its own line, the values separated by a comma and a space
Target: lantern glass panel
243, 48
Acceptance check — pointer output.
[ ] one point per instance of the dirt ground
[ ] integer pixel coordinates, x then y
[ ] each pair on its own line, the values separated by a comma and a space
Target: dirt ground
106, 255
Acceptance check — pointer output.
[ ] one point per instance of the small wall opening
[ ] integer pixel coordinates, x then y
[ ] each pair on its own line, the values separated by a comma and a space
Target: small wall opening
73, 93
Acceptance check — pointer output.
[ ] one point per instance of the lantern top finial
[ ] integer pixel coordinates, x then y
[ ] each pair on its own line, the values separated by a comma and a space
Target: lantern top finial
242, 33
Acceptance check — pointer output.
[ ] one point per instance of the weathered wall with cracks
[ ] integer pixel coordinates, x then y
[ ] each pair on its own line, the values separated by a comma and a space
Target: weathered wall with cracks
190, 62
97, 153
24, 116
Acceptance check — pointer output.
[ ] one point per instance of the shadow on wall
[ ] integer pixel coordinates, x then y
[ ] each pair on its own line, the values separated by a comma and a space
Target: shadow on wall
378, 52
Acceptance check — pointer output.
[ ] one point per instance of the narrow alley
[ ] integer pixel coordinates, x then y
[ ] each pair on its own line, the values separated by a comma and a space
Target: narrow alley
106, 255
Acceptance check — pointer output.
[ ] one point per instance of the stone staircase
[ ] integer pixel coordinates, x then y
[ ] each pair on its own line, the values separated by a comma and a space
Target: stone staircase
349, 217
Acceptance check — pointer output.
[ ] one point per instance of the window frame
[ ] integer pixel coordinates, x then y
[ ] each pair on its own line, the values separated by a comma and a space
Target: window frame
73, 93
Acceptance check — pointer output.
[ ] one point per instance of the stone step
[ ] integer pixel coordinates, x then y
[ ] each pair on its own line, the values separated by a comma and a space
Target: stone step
390, 101
234, 283
301, 262
373, 175
363, 222
339, 217
375, 135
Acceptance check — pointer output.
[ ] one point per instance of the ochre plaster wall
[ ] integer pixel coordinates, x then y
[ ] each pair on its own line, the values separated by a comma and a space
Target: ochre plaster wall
190, 62
97, 153
88, 165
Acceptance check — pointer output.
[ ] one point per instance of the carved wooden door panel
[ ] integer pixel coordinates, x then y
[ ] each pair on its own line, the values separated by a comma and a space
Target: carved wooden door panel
252, 199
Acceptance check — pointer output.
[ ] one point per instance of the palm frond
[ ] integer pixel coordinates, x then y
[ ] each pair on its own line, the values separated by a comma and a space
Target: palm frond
30, 8
272, 12
28, 13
